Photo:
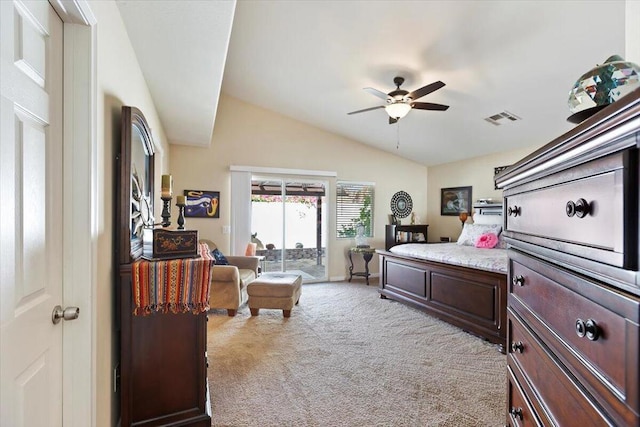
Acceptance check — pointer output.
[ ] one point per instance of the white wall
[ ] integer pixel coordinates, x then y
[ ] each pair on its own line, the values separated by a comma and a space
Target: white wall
247, 135
477, 173
632, 31
119, 82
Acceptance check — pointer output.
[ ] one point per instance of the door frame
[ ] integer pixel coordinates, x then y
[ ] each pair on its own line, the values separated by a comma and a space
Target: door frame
80, 210
241, 205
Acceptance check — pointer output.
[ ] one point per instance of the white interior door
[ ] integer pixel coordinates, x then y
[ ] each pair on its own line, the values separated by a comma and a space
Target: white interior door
30, 214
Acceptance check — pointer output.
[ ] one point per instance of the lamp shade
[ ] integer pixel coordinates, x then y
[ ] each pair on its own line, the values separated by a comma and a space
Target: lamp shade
397, 110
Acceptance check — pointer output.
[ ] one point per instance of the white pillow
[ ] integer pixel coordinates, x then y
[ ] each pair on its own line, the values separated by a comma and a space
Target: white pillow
502, 244
471, 232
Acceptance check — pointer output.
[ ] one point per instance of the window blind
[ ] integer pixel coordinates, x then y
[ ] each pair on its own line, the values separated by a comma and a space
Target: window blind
354, 206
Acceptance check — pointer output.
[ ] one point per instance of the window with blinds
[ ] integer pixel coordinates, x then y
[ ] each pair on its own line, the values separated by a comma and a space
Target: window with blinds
354, 207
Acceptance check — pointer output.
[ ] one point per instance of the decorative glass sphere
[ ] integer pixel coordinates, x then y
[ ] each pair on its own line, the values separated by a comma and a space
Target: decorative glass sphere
601, 86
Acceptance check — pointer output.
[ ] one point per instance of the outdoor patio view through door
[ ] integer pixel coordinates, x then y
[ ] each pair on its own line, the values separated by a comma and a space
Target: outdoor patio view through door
288, 226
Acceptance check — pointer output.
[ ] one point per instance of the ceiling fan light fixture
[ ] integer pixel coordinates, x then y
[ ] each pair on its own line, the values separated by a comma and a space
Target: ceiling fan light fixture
399, 101
397, 110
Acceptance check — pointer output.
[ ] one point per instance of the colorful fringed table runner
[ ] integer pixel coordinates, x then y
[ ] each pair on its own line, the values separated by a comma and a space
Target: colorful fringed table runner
173, 285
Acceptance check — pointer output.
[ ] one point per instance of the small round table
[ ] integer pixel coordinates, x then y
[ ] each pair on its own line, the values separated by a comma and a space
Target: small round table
367, 254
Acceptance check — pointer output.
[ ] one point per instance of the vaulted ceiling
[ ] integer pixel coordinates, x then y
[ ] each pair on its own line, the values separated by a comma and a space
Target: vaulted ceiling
310, 60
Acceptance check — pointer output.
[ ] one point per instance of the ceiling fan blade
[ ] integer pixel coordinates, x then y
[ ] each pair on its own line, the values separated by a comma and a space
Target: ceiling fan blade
366, 109
429, 106
425, 90
376, 92
392, 120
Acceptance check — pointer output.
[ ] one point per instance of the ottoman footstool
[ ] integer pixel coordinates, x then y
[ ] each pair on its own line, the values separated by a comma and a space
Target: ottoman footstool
280, 291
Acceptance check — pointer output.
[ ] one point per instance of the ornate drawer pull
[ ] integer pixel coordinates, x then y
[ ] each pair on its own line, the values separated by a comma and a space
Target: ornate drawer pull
517, 280
517, 347
515, 210
516, 412
580, 208
589, 329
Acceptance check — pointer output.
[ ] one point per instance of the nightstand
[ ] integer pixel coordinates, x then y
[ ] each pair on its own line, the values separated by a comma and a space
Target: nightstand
367, 255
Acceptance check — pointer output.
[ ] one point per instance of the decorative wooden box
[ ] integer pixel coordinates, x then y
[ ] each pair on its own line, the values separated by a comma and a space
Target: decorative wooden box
161, 243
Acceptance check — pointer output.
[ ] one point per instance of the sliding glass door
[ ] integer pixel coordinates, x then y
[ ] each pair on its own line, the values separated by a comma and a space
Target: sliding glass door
288, 226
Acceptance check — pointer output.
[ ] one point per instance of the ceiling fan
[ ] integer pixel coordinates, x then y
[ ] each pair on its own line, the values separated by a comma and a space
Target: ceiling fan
399, 101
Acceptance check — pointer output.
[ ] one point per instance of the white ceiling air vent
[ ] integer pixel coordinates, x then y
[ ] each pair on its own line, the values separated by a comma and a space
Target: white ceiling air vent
501, 118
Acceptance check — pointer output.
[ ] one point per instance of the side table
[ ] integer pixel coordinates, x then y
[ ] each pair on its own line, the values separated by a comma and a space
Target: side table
367, 254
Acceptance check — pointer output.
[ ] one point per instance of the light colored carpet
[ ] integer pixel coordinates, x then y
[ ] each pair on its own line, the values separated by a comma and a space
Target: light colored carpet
305, 276
345, 357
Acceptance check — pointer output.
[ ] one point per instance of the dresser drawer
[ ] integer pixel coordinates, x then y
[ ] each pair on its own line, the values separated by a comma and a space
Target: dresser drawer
589, 211
520, 412
593, 329
562, 400
554, 213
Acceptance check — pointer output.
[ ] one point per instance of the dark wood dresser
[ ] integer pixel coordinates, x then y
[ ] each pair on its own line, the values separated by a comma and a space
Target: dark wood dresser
571, 222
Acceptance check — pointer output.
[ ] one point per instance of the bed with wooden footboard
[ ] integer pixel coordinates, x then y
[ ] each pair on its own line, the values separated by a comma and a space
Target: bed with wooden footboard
458, 282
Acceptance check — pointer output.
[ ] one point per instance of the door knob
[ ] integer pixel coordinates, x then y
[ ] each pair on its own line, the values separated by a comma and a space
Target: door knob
69, 313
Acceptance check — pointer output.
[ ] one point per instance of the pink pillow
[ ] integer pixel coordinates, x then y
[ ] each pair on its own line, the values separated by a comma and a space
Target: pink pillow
487, 241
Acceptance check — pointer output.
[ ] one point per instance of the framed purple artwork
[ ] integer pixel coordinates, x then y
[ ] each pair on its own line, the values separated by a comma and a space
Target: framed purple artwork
202, 204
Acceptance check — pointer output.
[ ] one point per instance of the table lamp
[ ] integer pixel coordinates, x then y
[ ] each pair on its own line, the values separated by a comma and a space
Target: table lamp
463, 217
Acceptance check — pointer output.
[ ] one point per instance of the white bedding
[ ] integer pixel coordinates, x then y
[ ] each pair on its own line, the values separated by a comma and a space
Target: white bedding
494, 260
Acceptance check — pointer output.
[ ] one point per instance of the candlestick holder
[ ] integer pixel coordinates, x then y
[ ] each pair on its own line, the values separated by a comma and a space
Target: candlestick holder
180, 216
166, 211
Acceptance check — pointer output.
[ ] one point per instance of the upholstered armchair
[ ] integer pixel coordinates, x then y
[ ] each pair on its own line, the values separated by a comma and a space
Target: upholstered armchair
229, 282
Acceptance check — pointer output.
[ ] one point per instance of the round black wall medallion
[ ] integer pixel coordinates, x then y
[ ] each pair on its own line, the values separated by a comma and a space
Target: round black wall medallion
401, 204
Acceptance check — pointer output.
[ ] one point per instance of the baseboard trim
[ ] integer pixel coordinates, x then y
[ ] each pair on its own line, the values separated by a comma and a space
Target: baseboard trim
345, 278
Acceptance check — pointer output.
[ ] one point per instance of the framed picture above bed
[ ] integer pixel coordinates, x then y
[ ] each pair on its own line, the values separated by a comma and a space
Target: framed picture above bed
455, 200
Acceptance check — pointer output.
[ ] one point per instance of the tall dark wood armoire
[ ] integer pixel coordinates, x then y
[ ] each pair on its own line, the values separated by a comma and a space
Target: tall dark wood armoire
163, 368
